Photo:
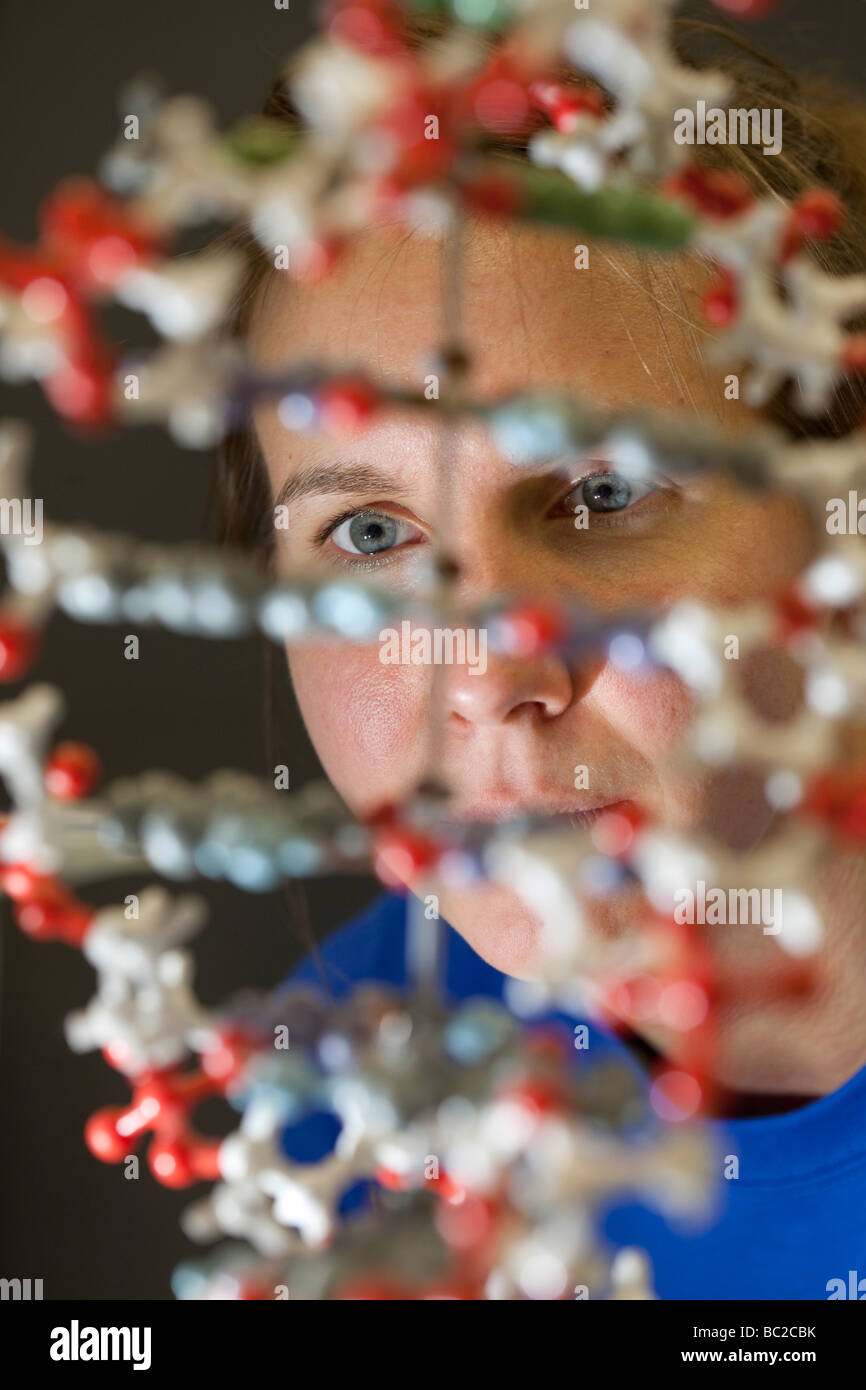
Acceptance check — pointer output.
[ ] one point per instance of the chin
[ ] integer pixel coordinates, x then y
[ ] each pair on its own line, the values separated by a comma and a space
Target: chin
497, 925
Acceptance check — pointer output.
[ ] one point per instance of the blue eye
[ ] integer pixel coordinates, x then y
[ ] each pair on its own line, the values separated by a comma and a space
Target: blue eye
609, 492
371, 533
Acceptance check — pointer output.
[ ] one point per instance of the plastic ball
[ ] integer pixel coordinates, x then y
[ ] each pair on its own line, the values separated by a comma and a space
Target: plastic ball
312, 1137
72, 771
345, 406
19, 647
527, 631
401, 854
171, 1163
102, 1138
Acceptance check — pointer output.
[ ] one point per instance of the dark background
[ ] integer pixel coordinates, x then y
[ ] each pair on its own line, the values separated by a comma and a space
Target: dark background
187, 705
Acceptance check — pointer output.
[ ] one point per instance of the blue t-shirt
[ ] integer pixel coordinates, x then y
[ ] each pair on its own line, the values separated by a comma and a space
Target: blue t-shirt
790, 1225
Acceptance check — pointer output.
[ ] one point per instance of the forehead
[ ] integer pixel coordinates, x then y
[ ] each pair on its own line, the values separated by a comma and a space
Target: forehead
621, 330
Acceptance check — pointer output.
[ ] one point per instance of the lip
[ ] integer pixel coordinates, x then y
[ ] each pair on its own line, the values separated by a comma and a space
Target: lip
575, 813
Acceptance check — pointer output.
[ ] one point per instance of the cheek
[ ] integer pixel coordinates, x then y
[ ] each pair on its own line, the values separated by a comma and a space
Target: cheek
649, 713
756, 546
649, 716
366, 720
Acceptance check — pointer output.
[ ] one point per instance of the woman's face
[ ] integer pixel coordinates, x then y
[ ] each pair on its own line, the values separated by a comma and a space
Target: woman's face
509, 738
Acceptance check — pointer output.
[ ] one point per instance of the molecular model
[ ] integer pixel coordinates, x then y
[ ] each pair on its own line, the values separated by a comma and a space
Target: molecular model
389, 1145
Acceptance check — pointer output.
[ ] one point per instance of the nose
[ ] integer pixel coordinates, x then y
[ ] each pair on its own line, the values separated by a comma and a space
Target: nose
507, 690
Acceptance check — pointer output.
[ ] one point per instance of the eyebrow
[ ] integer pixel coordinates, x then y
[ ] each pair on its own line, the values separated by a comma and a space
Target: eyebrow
354, 479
